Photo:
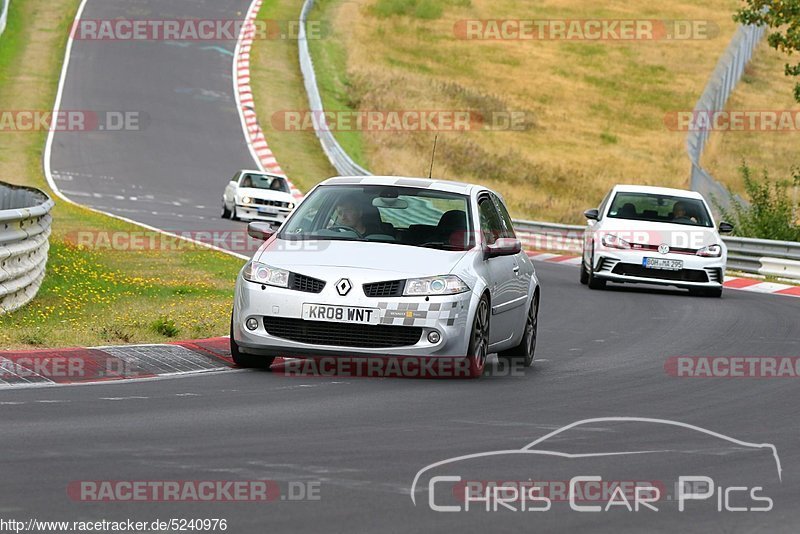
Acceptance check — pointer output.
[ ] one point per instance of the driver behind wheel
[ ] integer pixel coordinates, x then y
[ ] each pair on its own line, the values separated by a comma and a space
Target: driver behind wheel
350, 213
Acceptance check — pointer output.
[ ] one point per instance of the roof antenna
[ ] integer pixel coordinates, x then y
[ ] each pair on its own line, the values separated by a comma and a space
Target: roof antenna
433, 155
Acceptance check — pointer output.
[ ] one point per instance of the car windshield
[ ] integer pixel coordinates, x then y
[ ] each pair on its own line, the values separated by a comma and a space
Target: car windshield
263, 181
659, 208
388, 214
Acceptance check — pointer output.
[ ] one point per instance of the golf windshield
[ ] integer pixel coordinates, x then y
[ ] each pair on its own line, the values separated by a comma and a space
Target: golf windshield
389, 214
660, 208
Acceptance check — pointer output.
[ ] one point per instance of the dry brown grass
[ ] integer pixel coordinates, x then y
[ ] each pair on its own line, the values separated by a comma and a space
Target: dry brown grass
598, 107
763, 88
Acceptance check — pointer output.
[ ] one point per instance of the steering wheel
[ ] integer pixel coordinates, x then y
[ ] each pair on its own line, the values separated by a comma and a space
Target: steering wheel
345, 228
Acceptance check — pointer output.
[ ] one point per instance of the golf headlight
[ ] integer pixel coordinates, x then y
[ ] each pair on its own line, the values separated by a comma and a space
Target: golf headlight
711, 251
434, 285
246, 200
612, 241
264, 274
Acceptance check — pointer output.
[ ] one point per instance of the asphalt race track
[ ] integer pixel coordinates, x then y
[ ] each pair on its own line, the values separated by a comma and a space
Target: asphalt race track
362, 440
170, 168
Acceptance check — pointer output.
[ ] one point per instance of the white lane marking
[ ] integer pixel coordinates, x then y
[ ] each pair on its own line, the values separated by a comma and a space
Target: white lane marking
187, 394
10, 403
52, 401
122, 398
48, 151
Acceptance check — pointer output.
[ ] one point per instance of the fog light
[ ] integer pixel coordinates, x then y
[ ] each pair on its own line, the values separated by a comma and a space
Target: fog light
434, 337
251, 323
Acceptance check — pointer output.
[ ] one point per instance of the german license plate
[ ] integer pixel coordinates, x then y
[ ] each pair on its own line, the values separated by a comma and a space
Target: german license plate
661, 263
341, 314
266, 211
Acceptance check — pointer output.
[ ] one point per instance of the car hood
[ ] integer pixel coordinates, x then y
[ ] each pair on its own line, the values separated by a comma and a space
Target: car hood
400, 261
656, 233
265, 194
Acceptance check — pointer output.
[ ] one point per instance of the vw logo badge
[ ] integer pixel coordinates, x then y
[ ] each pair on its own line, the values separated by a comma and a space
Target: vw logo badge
343, 286
663, 248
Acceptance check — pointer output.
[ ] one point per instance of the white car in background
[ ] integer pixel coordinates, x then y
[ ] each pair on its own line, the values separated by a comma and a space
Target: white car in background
654, 235
255, 195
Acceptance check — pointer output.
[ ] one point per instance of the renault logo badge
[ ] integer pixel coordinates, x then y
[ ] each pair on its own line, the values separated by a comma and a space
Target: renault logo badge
343, 286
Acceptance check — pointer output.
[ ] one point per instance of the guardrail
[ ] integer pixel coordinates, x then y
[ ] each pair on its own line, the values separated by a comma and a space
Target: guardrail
340, 160
763, 256
755, 256
24, 231
3, 14
726, 75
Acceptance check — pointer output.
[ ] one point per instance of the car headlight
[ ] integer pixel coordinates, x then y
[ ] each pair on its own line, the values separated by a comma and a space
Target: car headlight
612, 241
711, 251
290, 206
434, 285
261, 273
246, 200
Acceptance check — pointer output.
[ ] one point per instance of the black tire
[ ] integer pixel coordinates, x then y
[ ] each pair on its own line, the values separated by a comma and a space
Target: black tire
248, 360
478, 349
584, 274
226, 213
524, 352
592, 281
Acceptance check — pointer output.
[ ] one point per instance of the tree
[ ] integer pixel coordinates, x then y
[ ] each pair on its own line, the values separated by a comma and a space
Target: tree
771, 213
782, 16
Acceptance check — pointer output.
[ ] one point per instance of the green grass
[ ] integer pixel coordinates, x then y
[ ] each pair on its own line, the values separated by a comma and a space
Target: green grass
278, 86
338, 94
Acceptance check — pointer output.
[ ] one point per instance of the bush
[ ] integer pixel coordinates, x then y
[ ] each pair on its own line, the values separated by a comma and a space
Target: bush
165, 326
772, 212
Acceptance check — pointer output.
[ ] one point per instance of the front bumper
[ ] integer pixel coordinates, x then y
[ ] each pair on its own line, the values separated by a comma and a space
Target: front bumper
626, 266
448, 315
251, 212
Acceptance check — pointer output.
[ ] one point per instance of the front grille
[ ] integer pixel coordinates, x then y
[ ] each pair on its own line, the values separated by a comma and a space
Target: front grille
385, 289
276, 203
342, 334
301, 282
672, 250
682, 275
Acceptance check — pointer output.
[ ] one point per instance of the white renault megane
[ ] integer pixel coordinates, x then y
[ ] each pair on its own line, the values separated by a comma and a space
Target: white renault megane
377, 266
654, 235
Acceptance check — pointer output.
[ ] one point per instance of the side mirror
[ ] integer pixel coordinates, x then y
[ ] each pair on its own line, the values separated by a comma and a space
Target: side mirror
725, 228
592, 214
260, 230
505, 246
